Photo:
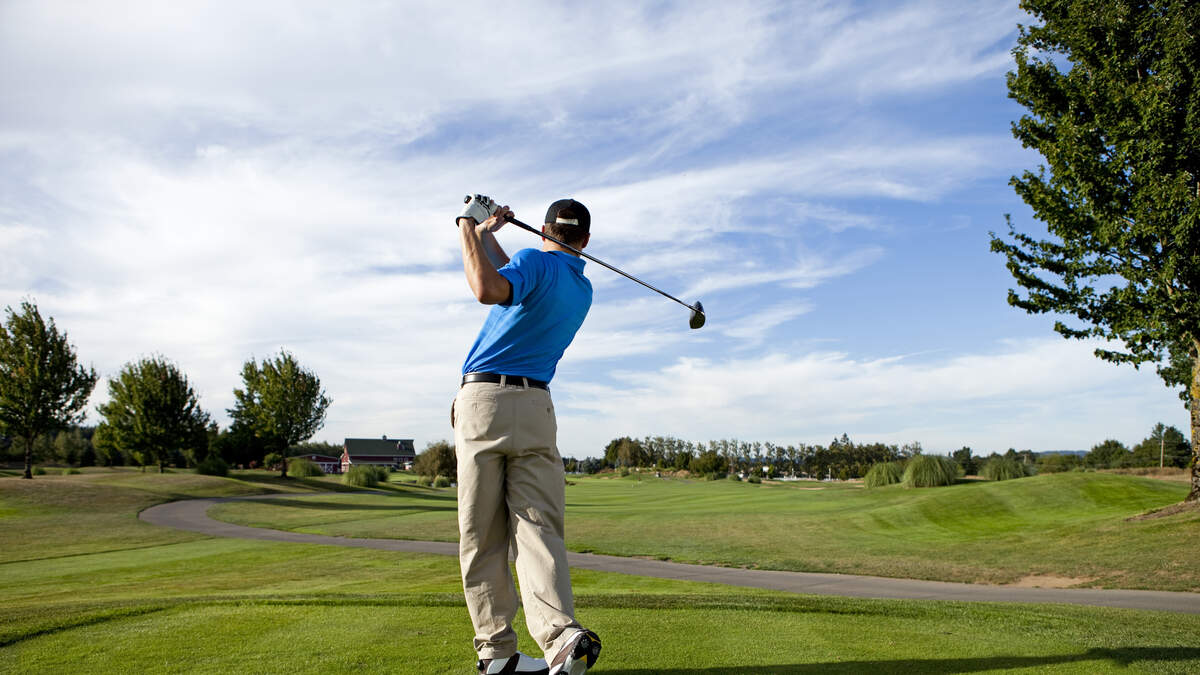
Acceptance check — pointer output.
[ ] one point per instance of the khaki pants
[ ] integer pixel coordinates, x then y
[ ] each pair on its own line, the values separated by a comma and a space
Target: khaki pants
511, 494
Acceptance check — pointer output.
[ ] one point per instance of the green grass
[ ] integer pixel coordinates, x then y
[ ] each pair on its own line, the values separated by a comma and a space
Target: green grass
1069, 525
154, 603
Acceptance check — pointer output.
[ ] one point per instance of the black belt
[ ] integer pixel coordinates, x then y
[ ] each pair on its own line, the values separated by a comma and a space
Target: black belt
496, 378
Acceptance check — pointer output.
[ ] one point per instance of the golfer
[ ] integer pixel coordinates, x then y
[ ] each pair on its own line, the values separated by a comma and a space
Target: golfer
510, 475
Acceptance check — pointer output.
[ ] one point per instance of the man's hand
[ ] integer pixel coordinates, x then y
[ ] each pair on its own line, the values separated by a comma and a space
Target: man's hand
496, 221
478, 208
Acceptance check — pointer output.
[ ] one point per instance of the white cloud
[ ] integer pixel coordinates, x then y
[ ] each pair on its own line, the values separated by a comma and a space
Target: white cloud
1045, 394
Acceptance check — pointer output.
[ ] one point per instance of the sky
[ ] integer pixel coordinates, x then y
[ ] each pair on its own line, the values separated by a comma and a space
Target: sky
212, 182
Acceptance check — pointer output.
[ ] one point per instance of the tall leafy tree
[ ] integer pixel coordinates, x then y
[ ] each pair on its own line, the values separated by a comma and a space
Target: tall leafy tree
153, 413
1110, 89
437, 459
280, 401
42, 387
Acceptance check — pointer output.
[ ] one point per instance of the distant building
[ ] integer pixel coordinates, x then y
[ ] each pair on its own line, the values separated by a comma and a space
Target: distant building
397, 453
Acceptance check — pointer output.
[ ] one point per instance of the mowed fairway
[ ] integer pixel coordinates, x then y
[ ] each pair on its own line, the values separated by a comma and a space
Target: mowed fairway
86, 587
1074, 526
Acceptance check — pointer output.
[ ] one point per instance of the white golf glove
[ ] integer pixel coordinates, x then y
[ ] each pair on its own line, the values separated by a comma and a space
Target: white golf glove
478, 207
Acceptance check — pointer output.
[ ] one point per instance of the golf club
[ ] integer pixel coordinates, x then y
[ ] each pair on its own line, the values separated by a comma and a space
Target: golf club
695, 321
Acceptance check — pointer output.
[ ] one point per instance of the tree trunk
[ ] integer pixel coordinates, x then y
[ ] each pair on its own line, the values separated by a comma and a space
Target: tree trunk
1194, 494
28, 456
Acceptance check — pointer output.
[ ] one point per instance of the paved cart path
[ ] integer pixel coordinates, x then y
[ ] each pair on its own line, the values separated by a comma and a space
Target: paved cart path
192, 515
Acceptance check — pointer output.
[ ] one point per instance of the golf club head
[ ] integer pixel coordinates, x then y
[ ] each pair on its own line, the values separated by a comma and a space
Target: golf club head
697, 319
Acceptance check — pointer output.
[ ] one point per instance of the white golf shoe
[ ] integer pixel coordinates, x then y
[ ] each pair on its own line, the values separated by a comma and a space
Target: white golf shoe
519, 663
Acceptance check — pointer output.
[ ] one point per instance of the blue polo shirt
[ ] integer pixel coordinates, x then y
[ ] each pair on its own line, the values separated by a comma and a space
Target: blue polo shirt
528, 335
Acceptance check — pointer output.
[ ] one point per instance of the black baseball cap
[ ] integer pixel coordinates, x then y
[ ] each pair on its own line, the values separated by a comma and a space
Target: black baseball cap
569, 212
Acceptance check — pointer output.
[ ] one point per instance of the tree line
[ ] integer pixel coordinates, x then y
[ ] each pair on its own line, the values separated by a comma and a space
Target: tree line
153, 415
845, 459
842, 458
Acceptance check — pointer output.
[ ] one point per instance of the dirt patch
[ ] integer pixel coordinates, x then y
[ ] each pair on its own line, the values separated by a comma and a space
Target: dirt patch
1050, 581
1172, 474
1181, 507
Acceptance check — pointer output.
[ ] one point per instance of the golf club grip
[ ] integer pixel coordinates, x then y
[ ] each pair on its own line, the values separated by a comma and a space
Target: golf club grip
598, 261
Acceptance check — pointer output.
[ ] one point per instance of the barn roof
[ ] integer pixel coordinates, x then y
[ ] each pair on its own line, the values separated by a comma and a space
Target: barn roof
389, 447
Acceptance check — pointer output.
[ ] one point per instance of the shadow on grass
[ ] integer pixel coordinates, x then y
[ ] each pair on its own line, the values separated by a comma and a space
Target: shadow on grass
1125, 656
754, 603
317, 505
325, 485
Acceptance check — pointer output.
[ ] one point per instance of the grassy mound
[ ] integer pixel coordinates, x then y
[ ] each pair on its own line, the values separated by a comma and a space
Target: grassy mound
930, 471
1068, 524
884, 473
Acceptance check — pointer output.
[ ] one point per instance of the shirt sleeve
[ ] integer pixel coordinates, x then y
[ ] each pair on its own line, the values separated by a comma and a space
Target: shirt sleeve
522, 271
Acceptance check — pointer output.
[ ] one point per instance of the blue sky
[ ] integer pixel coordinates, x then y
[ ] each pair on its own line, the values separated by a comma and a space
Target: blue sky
213, 182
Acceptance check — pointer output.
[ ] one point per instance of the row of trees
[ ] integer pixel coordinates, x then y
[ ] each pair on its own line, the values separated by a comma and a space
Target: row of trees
153, 414
842, 458
845, 459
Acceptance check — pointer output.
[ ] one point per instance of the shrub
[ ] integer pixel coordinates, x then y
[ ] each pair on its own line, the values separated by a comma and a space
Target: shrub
624, 472
361, 476
884, 473
930, 471
69, 470
441, 482
734, 477
299, 467
1005, 468
213, 465
272, 461
39, 471
755, 480
424, 481
382, 473
437, 459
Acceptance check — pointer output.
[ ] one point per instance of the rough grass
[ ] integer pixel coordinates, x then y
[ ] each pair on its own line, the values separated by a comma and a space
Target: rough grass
303, 468
219, 606
1005, 468
883, 473
361, 476
923, 471
1069, 525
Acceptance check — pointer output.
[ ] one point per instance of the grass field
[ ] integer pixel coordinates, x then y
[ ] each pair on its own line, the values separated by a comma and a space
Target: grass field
1071, 526
85, 586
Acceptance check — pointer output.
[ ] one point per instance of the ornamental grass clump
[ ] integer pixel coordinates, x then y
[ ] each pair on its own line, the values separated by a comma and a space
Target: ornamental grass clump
884, 473
361, 476
1005, 468
930, 471
300, 467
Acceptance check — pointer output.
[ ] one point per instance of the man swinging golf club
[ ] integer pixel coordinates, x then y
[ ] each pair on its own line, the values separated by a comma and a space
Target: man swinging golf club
510, 475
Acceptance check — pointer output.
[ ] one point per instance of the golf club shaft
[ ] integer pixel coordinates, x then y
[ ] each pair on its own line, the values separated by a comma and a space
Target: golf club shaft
567, 246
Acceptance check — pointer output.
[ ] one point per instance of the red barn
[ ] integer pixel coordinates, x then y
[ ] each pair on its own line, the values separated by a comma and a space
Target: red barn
397, 453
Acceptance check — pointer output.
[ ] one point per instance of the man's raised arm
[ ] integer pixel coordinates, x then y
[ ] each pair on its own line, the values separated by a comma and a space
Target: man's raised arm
482, 254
